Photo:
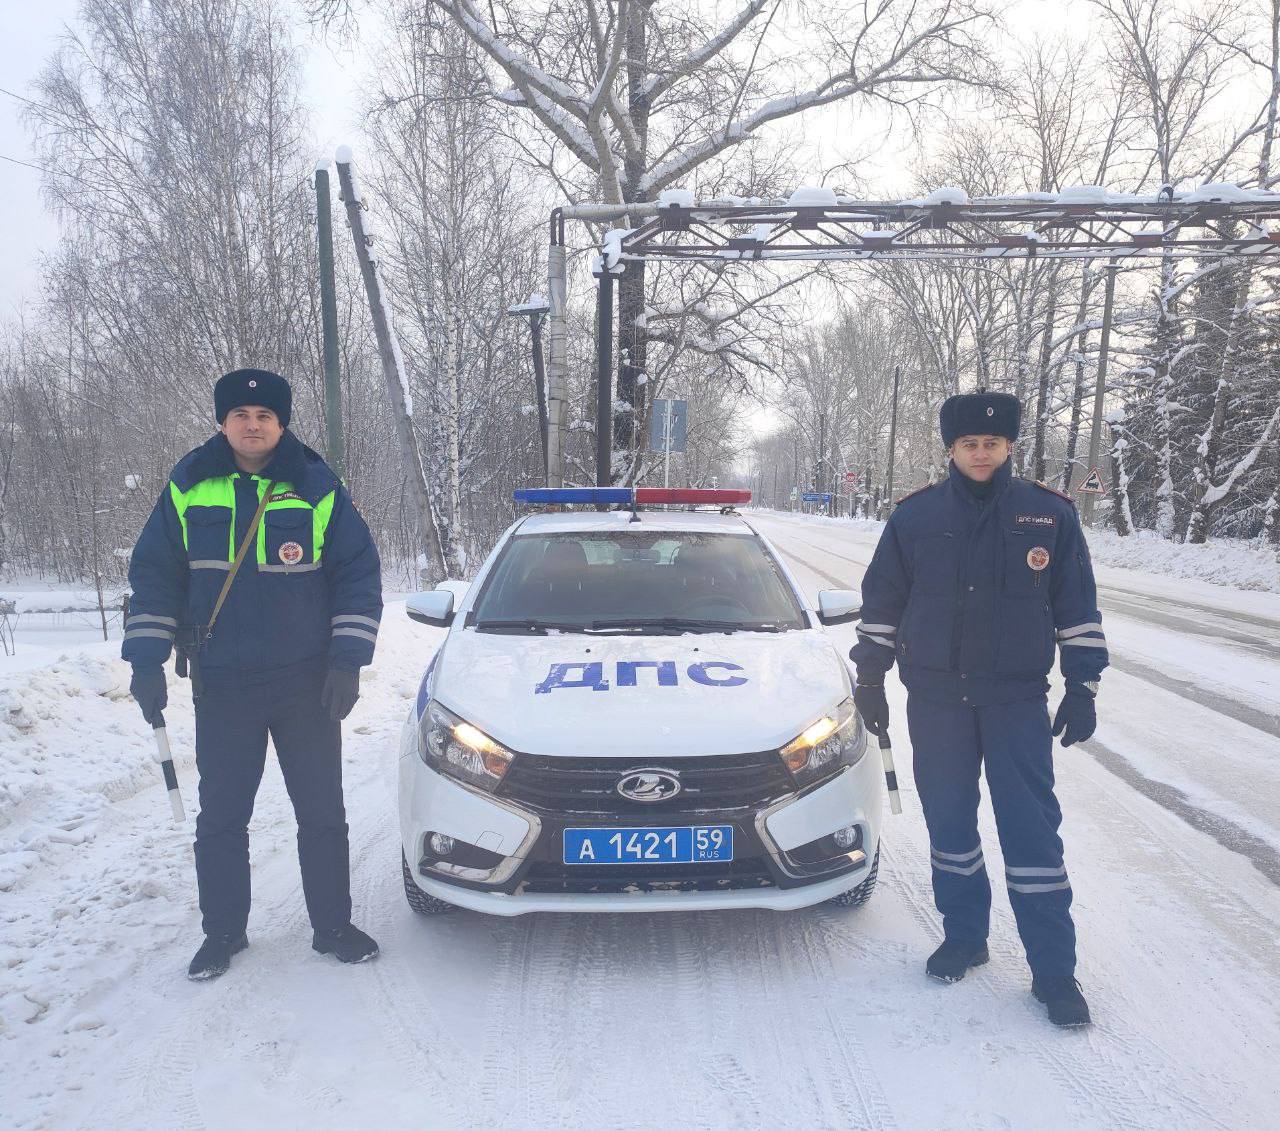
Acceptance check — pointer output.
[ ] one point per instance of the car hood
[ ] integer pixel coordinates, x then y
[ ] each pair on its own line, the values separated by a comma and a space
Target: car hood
640, 696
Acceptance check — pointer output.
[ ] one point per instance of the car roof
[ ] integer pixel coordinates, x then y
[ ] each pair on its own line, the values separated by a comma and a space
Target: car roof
619, 522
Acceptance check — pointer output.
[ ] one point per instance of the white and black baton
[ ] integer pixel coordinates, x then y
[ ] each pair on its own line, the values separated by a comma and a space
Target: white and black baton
165, 757
890, 774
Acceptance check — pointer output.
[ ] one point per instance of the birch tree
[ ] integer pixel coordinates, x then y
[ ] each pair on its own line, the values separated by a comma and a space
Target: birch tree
458, 250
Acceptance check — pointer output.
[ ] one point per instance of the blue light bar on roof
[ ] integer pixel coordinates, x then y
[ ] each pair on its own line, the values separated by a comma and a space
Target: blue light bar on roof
579, 495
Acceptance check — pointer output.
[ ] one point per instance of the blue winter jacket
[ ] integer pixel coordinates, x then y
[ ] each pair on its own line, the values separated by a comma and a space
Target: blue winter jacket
971, 595
309, 588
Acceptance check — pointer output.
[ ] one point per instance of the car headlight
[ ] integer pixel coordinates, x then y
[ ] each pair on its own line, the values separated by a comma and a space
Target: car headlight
451, 745
828, 745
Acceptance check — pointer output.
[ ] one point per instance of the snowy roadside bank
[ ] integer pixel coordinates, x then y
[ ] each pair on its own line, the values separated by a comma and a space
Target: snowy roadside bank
1230, 563
71, 741
74, 753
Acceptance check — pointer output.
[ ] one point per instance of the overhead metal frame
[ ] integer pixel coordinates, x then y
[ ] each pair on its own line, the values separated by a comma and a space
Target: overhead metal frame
988, 228
1214, 220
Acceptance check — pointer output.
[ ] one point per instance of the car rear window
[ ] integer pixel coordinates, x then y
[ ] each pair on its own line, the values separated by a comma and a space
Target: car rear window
592, 579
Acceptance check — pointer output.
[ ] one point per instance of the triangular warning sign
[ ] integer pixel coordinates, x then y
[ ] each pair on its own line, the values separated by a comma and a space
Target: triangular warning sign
1093, 484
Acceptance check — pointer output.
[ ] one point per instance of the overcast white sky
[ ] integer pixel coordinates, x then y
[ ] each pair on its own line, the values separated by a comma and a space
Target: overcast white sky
29, 33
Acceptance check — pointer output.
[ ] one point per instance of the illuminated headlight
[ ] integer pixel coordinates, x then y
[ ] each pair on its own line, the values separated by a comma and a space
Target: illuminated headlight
833, 742
453, 746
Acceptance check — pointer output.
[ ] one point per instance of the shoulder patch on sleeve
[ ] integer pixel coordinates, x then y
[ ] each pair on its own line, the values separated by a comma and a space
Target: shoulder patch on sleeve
1054, 491
913, 494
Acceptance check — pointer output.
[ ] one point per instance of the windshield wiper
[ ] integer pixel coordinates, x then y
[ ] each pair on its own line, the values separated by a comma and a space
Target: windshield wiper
528, 624
684, 624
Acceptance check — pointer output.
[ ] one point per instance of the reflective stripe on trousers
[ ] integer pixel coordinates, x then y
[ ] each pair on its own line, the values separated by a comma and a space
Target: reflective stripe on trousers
1012, 745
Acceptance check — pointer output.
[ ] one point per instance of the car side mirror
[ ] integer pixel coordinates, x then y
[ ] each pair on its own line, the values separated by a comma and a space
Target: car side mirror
434, 607
459, 589
838, 606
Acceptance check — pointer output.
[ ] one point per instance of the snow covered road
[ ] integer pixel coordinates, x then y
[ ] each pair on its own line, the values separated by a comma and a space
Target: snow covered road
814, 1019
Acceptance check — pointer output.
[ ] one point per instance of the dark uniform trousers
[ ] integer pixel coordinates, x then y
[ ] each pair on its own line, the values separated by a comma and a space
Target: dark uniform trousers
233, 720
950, 743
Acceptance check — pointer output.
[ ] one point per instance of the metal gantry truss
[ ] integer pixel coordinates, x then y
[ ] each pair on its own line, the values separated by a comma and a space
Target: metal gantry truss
1214, 220
815, 225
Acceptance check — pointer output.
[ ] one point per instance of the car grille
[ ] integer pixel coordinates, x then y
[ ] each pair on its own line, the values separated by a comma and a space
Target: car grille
545, 877
587, 785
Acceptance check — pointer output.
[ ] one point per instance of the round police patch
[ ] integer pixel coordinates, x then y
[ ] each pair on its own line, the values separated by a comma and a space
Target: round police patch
291, 553
1038, 558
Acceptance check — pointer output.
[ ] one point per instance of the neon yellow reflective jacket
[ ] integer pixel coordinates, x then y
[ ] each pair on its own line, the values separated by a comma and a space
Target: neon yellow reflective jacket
309, 587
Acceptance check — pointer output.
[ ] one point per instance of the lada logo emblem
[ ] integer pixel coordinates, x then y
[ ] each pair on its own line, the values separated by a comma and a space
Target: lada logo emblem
649, 784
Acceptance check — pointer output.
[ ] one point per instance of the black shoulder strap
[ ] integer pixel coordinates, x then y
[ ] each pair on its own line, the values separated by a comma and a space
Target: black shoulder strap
250, 534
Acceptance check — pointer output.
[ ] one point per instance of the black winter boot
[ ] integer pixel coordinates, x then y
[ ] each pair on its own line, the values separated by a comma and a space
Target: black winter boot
1065, 1002
213, 959
346, 944
953, 958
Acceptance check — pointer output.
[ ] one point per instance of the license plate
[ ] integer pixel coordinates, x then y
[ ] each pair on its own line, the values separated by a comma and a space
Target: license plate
679, 845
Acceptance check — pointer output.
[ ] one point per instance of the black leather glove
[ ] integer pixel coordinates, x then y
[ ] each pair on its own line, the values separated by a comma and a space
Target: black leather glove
1077, 716
872, 705
149, 689
341, 690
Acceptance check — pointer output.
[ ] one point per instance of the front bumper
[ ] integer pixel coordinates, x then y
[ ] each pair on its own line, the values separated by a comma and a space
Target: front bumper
525, 840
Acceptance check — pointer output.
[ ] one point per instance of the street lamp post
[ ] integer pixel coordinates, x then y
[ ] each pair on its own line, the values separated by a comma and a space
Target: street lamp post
536, 308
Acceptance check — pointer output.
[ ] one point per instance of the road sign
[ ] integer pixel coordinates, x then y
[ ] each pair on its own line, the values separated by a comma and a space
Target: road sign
795, 493
851, 477
679, 416
1092, 484
814, 497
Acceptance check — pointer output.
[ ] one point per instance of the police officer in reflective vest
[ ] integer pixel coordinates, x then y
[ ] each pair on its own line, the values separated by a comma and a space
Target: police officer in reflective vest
976, 582
282, 656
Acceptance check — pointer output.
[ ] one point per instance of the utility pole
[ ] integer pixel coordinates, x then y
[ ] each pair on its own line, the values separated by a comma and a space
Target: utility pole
820, 474
337, 452
1100, 388
393, 375
604, 379
557, 350
893, 439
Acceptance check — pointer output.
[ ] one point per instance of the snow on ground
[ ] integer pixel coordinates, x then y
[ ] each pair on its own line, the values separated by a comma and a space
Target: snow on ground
813, 1019
1235, 562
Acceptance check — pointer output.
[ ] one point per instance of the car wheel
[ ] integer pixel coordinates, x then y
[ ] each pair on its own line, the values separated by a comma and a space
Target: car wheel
856, 897
419, 900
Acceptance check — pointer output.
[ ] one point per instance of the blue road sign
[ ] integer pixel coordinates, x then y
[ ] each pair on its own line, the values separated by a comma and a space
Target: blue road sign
814, 497
658, 425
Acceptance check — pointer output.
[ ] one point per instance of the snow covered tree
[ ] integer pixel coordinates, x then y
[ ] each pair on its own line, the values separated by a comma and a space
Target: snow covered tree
630, 97
458, 250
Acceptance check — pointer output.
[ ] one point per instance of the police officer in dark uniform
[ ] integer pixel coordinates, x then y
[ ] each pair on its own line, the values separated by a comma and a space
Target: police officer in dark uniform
278, 651
976, 582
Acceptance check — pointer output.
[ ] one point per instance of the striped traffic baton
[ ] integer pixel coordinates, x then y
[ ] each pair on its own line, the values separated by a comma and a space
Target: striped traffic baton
890, 774
165, 757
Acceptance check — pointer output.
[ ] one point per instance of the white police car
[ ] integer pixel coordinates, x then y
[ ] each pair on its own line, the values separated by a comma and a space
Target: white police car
635, 710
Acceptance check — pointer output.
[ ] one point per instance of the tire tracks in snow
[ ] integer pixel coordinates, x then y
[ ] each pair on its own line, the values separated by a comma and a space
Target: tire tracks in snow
413, 1030
528, 1077
585, 1007
847, 1069
1112, 1076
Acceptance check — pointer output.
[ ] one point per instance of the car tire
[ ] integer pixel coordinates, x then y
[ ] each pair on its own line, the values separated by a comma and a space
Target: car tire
418, 899
856, 897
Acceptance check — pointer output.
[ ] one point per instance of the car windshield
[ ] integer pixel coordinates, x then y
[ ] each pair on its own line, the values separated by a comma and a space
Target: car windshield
637, 581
